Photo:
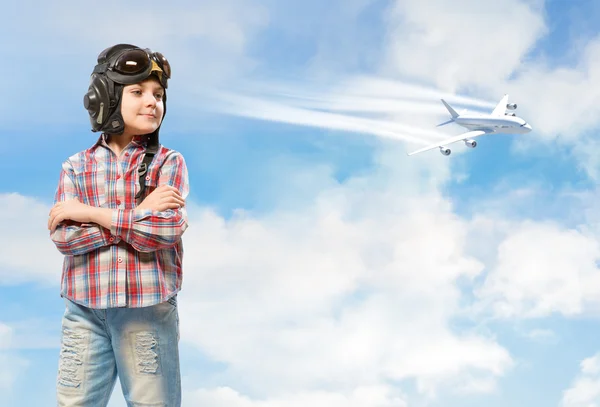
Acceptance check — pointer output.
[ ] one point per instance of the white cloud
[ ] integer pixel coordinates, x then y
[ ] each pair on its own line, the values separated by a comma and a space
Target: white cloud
357, 287
205, 41
585, 390
26, 252
571, 97
224, 27
11, 365
591, 365
5, 336
541, 335
541, 269
35, 333
460, 44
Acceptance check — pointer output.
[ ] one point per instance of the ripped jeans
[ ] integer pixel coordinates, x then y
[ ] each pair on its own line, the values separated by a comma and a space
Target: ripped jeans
140, 345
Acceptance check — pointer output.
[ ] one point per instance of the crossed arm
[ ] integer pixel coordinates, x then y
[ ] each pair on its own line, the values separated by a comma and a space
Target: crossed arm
156, 223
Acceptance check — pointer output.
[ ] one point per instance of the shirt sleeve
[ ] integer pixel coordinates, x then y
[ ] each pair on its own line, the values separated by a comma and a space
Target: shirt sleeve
75, 238
147, 230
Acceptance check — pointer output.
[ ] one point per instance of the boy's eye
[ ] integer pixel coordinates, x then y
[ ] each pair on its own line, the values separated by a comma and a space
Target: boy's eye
159, 96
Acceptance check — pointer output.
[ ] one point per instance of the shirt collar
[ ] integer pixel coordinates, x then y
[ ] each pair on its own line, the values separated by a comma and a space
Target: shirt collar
136, 141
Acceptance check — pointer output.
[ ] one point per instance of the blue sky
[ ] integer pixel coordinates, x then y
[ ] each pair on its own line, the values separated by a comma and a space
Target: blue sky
324, 266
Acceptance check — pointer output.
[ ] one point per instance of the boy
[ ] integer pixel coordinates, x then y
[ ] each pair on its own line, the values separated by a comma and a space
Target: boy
118, 218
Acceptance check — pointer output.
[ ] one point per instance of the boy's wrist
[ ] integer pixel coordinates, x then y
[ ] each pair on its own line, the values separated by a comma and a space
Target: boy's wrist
100, 216
91, 214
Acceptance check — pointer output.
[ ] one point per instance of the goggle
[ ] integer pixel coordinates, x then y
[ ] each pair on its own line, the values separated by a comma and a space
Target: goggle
133, 65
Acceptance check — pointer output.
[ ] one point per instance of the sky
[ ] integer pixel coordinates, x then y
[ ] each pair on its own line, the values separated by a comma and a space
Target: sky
323, 266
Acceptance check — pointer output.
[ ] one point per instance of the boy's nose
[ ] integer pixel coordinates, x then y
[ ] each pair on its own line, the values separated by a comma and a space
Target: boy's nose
150, 100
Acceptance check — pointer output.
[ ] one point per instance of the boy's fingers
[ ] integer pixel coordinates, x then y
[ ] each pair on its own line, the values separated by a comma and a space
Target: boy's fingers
51, 217
53, 208
178, 201
167, 187
53, 225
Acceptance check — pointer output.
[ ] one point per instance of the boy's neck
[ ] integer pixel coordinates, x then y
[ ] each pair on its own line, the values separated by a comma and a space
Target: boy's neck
117, 143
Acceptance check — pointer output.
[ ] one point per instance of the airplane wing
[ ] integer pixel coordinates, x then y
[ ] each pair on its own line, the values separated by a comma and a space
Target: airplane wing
464, 136
500, 108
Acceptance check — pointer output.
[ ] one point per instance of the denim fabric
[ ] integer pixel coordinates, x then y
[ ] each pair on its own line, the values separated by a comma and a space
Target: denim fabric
139, 345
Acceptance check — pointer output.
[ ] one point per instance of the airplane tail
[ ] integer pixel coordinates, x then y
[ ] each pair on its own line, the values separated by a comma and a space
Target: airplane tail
452, 113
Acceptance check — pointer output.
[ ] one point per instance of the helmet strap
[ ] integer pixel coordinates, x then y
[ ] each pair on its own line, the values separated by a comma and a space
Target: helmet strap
151, 150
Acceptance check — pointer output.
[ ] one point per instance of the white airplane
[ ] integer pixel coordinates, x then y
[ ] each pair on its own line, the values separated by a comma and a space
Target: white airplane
499, 121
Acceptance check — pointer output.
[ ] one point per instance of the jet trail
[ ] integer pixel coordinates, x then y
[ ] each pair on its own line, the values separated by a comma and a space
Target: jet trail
262, 109
371, 105
382, 87
365, 87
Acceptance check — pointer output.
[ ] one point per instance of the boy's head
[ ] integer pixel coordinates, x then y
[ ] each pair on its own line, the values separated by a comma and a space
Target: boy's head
125, 67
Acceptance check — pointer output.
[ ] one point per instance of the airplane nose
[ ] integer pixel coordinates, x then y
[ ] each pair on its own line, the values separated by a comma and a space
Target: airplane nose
528, 127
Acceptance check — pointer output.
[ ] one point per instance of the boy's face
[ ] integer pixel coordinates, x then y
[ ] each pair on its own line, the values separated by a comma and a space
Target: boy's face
142, 107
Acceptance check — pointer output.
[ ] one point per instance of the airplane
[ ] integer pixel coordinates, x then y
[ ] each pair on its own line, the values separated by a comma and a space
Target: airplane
498, 121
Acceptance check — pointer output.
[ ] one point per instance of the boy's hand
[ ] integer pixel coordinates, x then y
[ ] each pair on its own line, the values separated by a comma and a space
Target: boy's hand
162, 198
71, 209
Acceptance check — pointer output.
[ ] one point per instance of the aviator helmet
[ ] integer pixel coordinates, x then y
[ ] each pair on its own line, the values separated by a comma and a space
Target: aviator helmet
120, 65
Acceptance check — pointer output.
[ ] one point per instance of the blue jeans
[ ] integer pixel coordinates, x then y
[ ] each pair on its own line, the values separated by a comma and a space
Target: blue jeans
140, 345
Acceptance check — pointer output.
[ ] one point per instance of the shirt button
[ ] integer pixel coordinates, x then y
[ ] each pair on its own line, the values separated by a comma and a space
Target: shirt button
118, 202
118, 176
112, 238
120, 260
148, 178
126, 154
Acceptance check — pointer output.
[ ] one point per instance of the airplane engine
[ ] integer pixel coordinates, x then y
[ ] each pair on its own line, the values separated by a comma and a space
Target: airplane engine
511, 106
445, 150
471, 143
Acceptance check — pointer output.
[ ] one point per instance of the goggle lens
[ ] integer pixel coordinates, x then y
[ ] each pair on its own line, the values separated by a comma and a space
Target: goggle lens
163, 63
132, 62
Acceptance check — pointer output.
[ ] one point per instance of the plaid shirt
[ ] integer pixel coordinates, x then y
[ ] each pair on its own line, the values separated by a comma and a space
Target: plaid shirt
137, 263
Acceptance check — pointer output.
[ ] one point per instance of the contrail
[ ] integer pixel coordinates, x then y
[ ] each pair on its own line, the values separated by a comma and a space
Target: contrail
263, 109
368, 85
364, 104
359, 87
362, 99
